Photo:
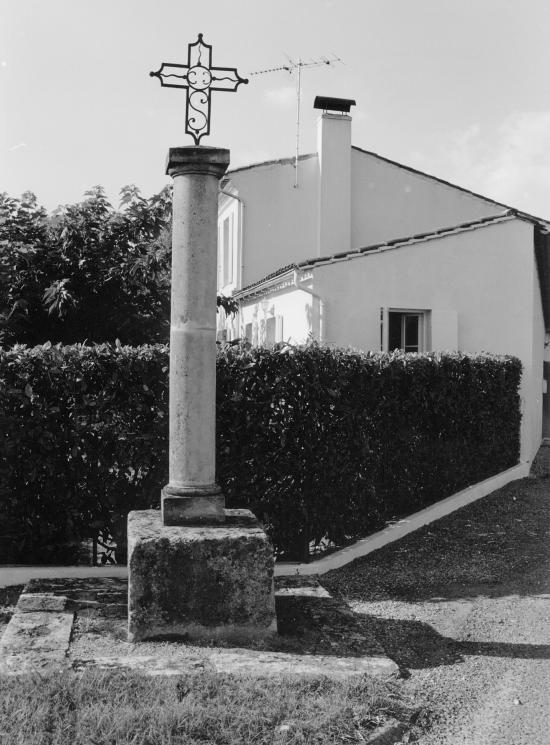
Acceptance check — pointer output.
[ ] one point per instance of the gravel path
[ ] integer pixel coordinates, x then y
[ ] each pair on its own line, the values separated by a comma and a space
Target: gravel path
463, 606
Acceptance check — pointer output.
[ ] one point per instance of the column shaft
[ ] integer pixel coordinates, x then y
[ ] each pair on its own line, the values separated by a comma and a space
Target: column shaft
192, 494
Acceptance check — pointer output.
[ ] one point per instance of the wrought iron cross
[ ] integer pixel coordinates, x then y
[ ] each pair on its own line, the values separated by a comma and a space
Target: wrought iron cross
199, 78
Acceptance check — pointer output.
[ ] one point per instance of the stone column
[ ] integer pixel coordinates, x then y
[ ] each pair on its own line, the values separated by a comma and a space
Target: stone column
198, 570
192, 495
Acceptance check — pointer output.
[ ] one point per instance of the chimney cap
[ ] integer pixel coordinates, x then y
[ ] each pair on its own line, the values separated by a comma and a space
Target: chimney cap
343, 105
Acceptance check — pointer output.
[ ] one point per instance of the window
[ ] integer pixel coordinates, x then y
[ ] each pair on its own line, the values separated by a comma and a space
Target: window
227, 252
404, 329
248, 332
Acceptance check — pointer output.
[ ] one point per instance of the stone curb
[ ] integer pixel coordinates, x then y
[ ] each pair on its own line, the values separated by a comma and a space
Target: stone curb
19, 575
405, 526
251, 663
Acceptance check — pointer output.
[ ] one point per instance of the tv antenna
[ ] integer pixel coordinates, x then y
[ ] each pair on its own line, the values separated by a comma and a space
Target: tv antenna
291, 68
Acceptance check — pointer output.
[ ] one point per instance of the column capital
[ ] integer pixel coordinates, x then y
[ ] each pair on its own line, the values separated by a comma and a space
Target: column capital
197, 159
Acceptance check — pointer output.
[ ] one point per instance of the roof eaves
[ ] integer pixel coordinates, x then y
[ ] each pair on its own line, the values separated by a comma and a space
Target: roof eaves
409, 240
275, 162
266, 282
544, 225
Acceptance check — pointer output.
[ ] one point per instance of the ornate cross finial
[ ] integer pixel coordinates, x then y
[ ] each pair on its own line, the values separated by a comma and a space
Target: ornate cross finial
199, 78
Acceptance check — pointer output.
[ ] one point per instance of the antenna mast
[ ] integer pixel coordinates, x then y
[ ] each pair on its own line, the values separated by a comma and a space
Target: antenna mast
292, 67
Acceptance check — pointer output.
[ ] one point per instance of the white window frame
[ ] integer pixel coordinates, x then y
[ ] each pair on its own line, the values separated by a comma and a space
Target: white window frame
227, 250
229, 246
423, 315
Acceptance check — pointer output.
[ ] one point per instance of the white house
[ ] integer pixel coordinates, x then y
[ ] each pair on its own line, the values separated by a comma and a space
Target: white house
375, 255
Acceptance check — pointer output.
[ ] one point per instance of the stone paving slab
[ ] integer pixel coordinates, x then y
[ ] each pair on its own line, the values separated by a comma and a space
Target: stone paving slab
318, 635
32, 602
35, 641
108, 595
248, 662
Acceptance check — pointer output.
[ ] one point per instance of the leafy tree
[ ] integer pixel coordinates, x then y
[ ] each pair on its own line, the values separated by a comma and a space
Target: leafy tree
88, 271
23, 236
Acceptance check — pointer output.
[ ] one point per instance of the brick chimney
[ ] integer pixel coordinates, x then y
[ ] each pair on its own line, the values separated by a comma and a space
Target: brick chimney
334, 153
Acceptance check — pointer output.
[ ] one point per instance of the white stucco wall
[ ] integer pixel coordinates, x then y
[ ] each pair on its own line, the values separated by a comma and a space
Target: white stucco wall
295, 306
279, 220
390, 202
484, 278
280, 224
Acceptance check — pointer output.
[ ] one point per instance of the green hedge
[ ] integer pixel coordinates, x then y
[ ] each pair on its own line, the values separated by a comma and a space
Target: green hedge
323, 442
81, 437
320, 443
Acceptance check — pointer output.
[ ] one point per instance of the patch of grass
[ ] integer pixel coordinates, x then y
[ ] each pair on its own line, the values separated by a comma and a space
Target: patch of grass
115, 708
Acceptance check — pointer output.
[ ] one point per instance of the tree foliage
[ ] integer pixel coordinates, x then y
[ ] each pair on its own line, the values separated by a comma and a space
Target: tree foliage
88, 271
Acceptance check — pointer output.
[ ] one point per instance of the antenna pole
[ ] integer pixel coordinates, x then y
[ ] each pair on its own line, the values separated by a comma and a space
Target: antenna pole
299, 90
291, 67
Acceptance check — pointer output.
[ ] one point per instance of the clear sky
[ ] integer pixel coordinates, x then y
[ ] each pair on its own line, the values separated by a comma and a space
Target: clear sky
458, 88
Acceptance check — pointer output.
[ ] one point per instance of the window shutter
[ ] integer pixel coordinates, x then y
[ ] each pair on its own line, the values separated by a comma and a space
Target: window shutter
270, 331
220, 257
384, 329
227, 253
444, 331
278, 328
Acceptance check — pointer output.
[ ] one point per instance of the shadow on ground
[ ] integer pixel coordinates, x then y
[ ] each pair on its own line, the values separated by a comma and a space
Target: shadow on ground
416, 645
308, 624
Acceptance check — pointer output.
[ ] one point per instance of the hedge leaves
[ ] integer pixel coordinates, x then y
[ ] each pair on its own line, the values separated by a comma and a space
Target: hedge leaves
320, 443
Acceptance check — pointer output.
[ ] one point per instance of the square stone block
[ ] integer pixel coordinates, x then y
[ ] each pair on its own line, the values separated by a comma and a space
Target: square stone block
199, 582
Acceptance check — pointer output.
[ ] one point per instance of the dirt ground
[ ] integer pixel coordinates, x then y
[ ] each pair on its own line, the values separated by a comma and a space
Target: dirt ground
463, 606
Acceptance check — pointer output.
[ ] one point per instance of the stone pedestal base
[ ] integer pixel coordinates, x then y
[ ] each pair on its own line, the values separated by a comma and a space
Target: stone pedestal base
201, 582
193, 508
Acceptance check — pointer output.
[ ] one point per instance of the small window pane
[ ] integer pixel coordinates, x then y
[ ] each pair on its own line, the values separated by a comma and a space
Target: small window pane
410, 342
404, 331
394, 331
